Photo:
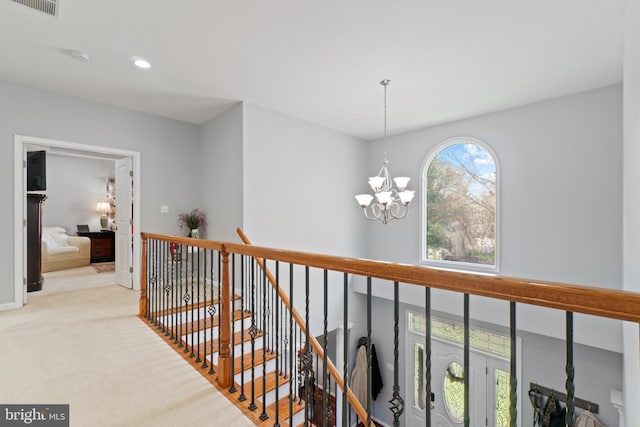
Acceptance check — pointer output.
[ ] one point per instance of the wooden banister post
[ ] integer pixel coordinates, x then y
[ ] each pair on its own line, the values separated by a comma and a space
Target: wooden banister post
143, 279
225, 376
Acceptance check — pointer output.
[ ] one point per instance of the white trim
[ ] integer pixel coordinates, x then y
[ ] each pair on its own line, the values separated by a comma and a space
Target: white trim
20, 143
9, 306
456, 265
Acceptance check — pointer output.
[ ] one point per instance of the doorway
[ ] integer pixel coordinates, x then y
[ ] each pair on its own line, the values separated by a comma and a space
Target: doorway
125, 259
488, 376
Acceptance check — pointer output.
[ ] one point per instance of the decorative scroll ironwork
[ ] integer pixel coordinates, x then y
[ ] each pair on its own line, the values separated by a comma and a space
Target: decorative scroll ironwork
397, 402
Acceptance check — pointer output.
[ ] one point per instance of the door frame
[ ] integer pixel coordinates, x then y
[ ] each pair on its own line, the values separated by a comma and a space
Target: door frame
408, 374
20, 144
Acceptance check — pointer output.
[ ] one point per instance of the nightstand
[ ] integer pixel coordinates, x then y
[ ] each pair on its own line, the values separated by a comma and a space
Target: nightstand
102, 245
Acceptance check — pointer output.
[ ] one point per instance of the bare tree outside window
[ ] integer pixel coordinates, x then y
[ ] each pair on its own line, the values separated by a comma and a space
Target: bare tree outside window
461, 205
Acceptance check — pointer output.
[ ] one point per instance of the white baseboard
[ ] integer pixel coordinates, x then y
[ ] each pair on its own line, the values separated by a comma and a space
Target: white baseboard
9, 306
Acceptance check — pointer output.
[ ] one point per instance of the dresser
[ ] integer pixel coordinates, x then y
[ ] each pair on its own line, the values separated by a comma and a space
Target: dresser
102, 245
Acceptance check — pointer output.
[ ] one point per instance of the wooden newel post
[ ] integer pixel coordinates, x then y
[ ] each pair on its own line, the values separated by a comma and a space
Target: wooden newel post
225, 376
143, 279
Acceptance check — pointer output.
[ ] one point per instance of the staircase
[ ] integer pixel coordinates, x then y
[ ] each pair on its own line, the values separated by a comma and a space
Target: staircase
264, 391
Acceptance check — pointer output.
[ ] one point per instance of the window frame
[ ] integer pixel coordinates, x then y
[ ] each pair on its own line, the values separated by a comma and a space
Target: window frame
447, 264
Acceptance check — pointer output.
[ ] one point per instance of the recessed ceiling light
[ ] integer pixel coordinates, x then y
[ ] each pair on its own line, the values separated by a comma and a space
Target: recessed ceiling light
141, 63
79, 55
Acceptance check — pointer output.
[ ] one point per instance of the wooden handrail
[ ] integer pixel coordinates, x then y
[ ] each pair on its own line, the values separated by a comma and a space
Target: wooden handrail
355, 403
614, 304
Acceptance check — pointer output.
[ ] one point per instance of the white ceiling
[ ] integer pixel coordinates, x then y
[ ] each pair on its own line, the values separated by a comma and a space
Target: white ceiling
320, 60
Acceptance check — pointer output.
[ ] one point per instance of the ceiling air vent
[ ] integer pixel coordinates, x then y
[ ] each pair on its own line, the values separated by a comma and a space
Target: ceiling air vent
50, 7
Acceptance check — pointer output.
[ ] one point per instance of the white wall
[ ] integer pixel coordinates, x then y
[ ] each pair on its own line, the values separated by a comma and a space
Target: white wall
299, 182
74, 186
631, 270
221, 169
167, 147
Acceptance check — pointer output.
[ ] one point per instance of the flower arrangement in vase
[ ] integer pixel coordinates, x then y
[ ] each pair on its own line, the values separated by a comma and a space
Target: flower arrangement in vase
194, 221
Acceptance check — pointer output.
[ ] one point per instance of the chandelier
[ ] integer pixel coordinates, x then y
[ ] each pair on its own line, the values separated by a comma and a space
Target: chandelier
387, 203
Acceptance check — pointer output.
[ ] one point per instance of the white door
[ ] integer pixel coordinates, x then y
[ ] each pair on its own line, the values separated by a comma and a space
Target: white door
124, 222
447, 385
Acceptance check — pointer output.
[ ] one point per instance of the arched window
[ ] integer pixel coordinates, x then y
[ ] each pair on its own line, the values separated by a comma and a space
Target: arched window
460, 206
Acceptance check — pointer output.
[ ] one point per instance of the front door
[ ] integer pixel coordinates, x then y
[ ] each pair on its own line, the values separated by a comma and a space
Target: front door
447, 385
489, 384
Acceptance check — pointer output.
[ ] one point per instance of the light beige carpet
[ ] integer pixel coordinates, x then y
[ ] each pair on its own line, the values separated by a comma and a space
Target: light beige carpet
87, 348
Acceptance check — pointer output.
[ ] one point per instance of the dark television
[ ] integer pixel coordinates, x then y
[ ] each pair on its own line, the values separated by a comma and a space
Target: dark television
36, 171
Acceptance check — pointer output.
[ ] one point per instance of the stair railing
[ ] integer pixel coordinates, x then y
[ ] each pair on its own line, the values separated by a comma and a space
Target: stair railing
169, 289
317, 347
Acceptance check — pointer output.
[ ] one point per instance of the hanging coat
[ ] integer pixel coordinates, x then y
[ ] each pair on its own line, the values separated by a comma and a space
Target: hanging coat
359, 376
587, 419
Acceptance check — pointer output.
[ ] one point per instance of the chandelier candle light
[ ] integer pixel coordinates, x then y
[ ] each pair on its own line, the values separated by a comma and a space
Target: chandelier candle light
390, 203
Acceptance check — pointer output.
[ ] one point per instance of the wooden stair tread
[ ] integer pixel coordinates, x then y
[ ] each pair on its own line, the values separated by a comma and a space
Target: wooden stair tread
270, 384
189, 307
206, 322
283, 408
205, 347
258, 359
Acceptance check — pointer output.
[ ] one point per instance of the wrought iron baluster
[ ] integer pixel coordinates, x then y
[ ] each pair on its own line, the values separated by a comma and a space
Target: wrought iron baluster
397, 402
233, 389
513, 381
345, 349
153, 280
276, 347
197, 263
212, 315
427, 351
205, 307
243, 287
570, 385
325, 345
180, 294
467, 348
292, 370
219, 299
192, 304
307, 362
253, 332
186, 298
265, 308
369, 353
175, 295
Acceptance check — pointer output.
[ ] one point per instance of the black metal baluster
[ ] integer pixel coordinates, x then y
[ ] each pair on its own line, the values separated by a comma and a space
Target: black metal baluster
513, 381
212, 315
155, 282
307, 354
170, 310
276, 348
180, 290
292, 370
427, 351
253, 332
570, 386
152, 281
219, 298
193, 354
467, 348
186, 299
345, 350
165, 291
175, 295
265, 309
205, 309
325, 344
232, 389
397, 402
197, 263
369, 352
243, 288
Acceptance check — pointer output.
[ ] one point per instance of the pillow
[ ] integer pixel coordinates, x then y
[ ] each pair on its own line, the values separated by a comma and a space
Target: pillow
54, 230
55, 240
